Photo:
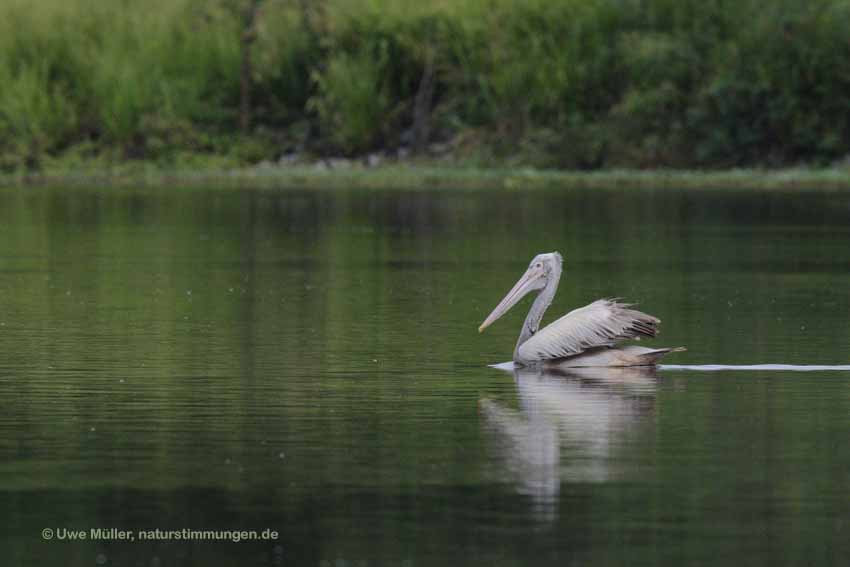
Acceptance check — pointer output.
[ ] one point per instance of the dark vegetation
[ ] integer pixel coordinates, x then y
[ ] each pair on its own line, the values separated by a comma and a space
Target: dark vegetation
577, 84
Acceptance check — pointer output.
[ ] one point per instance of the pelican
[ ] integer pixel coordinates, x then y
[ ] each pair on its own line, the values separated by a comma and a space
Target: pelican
584, 337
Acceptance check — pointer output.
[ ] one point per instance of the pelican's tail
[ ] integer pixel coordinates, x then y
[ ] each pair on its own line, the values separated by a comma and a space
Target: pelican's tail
654, 355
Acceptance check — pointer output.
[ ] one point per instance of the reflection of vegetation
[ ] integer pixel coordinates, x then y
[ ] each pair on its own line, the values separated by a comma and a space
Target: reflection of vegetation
338, 329
573, 83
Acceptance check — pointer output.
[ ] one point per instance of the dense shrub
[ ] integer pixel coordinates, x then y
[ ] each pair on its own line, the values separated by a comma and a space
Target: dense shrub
563, 83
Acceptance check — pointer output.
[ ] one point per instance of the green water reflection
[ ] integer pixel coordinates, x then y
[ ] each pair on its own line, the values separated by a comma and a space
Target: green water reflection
309, 362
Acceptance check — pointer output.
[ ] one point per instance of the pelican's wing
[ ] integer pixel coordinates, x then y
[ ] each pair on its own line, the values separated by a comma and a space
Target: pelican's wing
602, 323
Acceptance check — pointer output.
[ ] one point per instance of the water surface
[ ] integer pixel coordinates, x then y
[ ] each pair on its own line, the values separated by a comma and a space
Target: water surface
308, 362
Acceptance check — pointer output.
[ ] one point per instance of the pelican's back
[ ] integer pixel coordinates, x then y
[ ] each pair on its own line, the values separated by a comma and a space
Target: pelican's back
601, 324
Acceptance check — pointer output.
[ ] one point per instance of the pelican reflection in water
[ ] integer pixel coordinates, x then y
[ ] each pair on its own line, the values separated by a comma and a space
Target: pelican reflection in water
583, 337
573, 425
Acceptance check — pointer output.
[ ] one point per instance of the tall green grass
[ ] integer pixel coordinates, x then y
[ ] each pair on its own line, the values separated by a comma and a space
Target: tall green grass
115, 72
564, 83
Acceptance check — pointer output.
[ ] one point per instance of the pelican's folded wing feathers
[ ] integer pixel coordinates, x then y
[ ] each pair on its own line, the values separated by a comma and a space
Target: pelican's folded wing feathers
602, 323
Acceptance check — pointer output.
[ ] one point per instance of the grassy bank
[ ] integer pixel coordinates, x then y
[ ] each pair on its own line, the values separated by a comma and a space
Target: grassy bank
573, 84
409, 177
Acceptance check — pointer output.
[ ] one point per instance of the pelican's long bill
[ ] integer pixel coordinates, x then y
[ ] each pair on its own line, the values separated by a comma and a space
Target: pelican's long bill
526, 284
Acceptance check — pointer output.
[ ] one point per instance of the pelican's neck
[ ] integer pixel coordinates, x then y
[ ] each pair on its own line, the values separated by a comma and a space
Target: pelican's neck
538, 308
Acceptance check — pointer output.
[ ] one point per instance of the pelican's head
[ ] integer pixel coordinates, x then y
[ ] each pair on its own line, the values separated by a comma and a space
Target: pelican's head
542, 269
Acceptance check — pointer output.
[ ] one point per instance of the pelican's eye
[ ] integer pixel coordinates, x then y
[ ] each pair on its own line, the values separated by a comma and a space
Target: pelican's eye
538, 265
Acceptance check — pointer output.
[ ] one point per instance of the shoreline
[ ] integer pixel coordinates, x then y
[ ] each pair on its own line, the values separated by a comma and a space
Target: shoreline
419, 177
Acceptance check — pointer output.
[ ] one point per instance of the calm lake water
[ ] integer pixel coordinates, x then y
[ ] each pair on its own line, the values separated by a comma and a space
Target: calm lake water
308, 362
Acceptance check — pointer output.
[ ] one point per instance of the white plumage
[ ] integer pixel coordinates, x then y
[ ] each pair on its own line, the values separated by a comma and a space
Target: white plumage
602, 323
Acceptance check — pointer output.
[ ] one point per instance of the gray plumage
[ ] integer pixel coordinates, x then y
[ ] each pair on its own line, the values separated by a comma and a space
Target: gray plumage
586, 336
602, 323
